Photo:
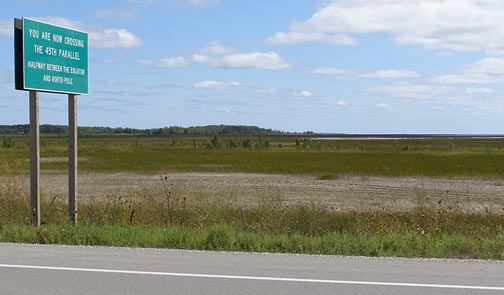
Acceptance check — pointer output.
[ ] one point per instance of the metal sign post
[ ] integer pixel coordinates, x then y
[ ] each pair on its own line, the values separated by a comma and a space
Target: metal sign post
53, 59
34, 159
72, 157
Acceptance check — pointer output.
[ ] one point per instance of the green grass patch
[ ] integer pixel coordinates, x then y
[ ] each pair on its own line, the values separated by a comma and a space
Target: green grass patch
226, 238
323, 159
166, 221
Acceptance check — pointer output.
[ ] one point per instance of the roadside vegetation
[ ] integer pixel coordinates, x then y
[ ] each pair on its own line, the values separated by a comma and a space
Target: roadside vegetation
164, 217
159, 218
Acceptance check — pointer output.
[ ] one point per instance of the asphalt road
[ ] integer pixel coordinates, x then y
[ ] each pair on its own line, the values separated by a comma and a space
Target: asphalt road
38, 269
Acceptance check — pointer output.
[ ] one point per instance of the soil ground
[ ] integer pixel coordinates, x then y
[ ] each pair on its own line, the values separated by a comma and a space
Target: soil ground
342, 194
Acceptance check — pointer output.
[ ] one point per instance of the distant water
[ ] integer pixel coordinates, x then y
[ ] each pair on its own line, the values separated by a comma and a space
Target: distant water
403, 136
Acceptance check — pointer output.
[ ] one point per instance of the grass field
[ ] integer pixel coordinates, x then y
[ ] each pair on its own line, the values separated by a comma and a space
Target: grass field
163, 217
420, 157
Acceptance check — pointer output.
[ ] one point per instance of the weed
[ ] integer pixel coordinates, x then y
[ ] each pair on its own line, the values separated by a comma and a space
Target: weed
7, 142
161, 218
328, 176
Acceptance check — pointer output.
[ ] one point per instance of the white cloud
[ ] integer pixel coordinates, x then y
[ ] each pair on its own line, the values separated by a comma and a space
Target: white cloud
217, 48
116, 14
98, 37
342, 103
218, 55
109, 82
200, 58
146, 2
410, 91
109, 61
169, 62
113, 38
382, 74
261, 90
6, 79
330, 71
478, 90
227, 111
7, 28
303, 93
384, 106
202, 3
303, 37
194, 3
217, 85
481, 100
253, 91
484, 71
443, 25
444, 53
390, 74
253, 60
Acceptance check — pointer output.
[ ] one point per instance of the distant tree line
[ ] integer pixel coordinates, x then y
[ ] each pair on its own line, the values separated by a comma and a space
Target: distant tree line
215, 130
22, 129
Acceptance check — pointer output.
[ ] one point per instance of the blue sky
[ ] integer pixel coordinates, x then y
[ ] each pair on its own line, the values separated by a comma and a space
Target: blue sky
350, 66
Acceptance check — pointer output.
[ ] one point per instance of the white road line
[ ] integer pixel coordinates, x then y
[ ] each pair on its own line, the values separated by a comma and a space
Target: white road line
253, 278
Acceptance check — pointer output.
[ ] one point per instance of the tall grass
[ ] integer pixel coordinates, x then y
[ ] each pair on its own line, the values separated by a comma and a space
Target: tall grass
223, 237
163, 218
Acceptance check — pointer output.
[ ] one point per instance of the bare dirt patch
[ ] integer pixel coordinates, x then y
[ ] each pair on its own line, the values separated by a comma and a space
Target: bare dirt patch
343, 194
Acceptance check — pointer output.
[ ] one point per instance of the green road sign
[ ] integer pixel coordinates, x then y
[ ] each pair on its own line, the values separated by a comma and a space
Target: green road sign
55, 59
